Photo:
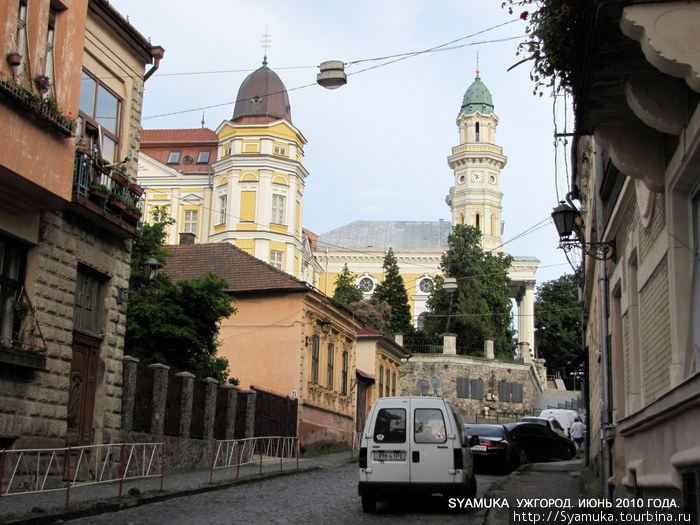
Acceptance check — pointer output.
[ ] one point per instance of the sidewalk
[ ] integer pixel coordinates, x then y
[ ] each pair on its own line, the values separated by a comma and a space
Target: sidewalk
50, 507
536, 481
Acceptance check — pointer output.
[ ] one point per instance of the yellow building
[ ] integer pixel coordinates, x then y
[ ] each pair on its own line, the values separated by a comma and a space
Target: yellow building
252, 190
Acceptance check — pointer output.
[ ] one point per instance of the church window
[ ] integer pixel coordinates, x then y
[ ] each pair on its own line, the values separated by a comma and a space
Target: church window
278, 208
476, 130
191, 217
174, 157
280, 149
426, 285
461, 218
366, 284
276, 258
203, 157
227, 151
477, 220
223, 205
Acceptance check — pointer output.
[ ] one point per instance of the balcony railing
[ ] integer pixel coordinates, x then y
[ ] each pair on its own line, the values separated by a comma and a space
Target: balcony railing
45, 109
108, 190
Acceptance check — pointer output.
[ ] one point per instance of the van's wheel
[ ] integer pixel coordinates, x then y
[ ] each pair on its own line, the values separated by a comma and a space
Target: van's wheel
471, 491
369, 502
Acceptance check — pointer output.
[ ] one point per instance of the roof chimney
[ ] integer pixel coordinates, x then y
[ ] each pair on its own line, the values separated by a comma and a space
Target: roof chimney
187, 238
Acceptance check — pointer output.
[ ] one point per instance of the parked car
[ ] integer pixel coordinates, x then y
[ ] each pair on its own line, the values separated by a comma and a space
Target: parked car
549, 422
540, 442
565, 417
414, 445
495, 450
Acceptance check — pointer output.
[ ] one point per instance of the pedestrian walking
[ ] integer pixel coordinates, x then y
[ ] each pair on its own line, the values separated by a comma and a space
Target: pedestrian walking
578, 430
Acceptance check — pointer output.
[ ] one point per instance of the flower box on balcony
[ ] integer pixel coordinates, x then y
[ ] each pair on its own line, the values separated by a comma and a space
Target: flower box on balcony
23, 358
116, 203
135, 189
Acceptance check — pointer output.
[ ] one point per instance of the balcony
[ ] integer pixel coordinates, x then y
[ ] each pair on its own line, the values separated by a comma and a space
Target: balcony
105, 196
43, 109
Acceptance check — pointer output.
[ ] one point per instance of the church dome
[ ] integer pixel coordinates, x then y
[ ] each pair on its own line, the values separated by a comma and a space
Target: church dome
262, 97
477, 98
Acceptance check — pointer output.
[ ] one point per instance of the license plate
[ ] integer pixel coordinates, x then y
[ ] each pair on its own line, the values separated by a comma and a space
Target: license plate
393, 455
479, 448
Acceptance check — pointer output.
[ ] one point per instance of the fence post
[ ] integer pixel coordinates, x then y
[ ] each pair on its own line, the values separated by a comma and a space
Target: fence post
210, 407
249, 412
68, 454
449, 344
160, 394
122, 469
232, 405
130, 365
186, 405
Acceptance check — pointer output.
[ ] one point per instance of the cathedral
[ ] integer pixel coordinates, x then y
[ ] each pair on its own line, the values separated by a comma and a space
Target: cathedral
244, 183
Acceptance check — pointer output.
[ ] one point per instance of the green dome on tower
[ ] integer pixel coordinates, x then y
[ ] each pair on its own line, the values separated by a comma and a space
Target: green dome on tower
477, 98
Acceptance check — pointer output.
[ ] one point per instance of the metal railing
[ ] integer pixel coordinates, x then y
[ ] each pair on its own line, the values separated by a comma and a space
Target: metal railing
41, 470
234, 453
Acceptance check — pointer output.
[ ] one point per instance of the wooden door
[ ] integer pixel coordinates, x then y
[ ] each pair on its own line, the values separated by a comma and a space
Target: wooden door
81, 390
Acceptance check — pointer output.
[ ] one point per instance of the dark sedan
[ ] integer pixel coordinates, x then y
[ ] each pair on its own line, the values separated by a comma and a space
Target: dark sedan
540, 442
496, 449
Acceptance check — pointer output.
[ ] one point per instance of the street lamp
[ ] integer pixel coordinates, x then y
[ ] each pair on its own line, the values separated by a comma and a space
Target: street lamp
450, 286
150, 271
332, 75
566, 218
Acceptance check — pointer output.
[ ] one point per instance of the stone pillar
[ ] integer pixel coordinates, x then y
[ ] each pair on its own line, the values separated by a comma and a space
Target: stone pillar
525, 354
231, 404
130, 364
449, 344
526, 313
160, 394
186, 403
249, 411
398, 339
488, 349
210, 407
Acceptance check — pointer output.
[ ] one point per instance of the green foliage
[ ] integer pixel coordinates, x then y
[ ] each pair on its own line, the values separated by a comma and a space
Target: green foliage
555, 31
392, 290
345, 290
558, 323
374, 313
480, 308
174, 324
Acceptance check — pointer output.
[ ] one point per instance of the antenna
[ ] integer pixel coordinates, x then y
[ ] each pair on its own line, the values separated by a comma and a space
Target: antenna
203, 119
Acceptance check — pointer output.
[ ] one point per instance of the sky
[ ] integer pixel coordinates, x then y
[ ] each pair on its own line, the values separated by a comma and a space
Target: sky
378, 146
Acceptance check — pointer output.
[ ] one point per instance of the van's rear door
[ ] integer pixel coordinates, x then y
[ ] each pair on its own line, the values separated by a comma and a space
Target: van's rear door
432, 442
388, 445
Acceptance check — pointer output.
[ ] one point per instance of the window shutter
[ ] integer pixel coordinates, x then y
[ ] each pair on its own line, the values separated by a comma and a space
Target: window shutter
517, 393
477, 388
504, 391
463, 387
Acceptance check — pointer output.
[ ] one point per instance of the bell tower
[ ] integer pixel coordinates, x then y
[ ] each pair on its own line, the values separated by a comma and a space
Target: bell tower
476, 197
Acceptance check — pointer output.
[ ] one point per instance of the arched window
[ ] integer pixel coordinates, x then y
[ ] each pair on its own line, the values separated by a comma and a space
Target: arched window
476, 129
477, 220
461, 218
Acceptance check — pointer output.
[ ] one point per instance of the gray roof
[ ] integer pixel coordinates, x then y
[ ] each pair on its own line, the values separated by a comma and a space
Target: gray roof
399, 235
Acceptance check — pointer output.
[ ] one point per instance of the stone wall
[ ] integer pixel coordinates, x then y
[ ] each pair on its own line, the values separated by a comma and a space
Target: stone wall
34, 403
448, 368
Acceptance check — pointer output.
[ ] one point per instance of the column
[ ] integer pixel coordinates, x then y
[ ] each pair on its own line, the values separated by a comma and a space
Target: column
526, 314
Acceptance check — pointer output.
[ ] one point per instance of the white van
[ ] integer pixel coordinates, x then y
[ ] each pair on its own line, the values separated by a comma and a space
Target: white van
566, 418
414, 445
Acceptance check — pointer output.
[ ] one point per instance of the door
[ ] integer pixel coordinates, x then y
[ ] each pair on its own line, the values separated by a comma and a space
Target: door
432, 442
81, 390
388, 444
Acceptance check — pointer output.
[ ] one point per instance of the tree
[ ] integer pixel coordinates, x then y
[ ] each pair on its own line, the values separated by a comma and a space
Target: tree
345, 290
558, 326
374, 313
480, 308
392, 290
174, 324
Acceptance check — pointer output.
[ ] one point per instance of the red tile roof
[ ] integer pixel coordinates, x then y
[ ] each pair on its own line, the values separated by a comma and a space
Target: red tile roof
178, 135
244, 272
368, 330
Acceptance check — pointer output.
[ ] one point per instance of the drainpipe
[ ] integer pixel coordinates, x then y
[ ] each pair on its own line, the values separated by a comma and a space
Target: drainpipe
606, 425
157, 52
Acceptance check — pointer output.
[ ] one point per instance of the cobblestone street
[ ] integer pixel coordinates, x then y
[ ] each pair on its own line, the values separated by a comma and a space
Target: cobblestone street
325, 496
